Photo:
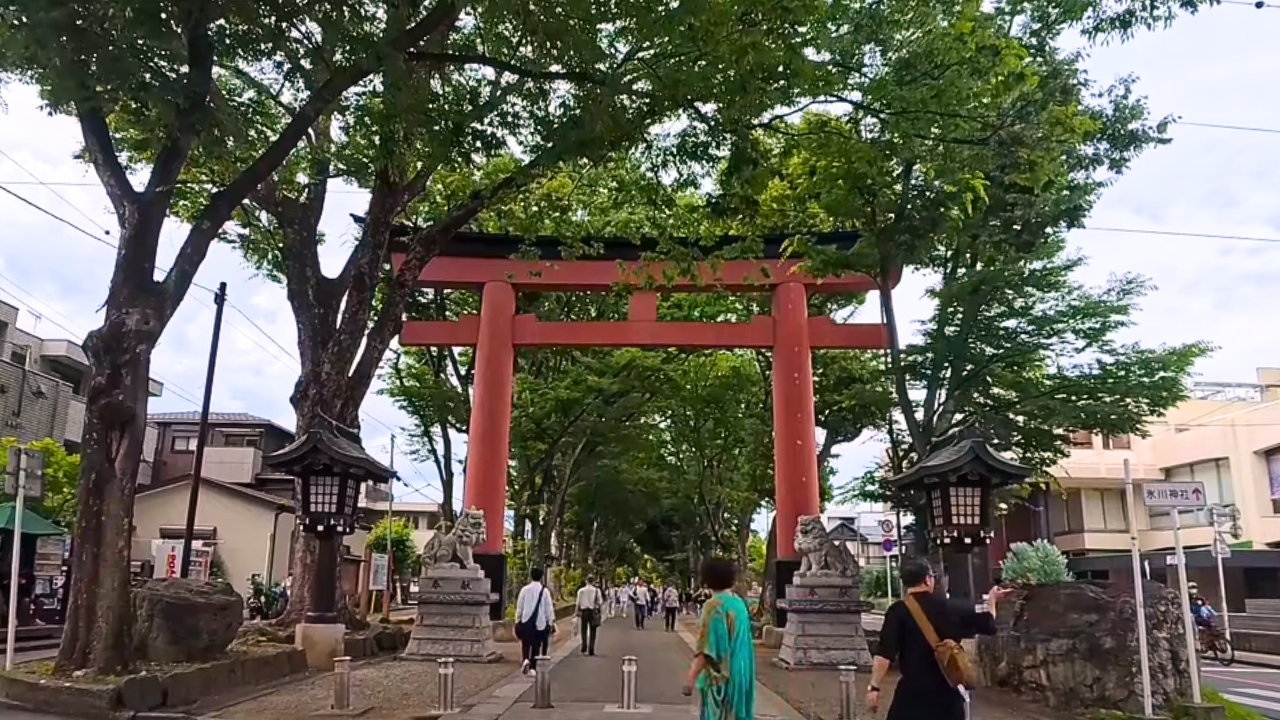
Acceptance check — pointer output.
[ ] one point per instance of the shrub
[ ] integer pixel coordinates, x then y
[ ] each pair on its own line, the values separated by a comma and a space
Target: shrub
1037, 563
875, 582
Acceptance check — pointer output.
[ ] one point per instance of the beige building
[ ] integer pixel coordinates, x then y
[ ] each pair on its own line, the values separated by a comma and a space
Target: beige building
250, 531
1226, 436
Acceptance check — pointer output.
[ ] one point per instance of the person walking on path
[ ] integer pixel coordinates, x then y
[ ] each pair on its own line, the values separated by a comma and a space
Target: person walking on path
534, 620
924, 692
700, 598
724, 666
640, 598
670, 606
590, 604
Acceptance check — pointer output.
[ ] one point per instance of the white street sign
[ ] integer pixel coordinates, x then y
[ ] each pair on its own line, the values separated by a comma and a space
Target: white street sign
1173, 495
378, 571
1220, 548
886, 526
34, 485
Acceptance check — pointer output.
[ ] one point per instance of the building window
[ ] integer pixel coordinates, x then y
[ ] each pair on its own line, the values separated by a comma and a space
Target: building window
238, 440
183, 443
1104, 510
1116, 442
1273, 475
1080, 440
18, 355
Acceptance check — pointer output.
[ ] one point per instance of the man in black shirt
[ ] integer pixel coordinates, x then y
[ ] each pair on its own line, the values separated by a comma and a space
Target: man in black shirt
923, 692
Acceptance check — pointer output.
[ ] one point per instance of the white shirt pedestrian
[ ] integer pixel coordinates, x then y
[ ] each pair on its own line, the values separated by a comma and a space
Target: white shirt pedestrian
528, 599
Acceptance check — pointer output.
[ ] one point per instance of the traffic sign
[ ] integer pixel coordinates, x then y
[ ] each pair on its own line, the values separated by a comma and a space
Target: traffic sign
888, 546
1173, 494
33, 480
1220, 548
886, 526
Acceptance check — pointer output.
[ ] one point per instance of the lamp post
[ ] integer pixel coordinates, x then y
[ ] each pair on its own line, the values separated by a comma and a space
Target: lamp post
328, 465
955, 484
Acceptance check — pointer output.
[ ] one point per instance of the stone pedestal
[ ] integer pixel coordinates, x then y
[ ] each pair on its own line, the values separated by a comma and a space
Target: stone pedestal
321, 643
453, 618
824, 623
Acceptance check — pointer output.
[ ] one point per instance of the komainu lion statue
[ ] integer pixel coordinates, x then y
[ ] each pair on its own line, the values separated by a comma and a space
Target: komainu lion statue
441, 550
820, 555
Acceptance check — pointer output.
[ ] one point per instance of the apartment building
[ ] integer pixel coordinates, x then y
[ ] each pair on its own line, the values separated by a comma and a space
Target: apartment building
42, 388
1227, 436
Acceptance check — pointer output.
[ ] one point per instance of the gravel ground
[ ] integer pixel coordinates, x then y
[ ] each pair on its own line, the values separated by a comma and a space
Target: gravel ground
816, 693
396, 689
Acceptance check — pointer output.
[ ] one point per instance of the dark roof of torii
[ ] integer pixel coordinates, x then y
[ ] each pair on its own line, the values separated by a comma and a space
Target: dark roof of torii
546, 247
969, 451
328, 442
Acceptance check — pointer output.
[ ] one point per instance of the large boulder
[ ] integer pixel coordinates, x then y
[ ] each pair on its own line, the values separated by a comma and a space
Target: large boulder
1074, 647
181, 620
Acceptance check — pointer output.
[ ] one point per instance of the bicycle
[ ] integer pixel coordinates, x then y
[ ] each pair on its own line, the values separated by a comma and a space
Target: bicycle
1216, 645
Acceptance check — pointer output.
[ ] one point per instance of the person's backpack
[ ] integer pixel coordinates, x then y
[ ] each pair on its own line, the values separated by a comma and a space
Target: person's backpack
526, 629
950, 655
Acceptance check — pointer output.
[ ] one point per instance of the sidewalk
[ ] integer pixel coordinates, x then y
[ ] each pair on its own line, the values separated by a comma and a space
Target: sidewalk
590, 687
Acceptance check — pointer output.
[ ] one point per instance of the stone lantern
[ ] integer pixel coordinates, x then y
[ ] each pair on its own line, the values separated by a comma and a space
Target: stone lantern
956, 484
328, 464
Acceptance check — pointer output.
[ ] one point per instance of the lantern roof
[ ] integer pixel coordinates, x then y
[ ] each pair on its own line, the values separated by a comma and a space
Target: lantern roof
971, 452
328, 443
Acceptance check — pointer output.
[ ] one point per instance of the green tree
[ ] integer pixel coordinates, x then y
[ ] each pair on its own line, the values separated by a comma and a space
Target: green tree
61, 473
405, 557
432, 139
147, 82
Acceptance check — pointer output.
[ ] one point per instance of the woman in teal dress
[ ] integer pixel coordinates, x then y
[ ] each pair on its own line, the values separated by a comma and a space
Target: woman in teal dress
724, 667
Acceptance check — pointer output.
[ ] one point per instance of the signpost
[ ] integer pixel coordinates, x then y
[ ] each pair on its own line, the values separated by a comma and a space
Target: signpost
1224, 519
378, 571
23, 474
1176, 496
1139, 600
890, 549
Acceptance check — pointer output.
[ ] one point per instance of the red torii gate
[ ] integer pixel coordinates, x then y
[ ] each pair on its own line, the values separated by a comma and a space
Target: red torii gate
478, 261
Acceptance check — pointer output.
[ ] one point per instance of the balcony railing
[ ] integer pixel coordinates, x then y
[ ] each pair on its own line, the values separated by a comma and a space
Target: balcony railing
238, 465
73, 430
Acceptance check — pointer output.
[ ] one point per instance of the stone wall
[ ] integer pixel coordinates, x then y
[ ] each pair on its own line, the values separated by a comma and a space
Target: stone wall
1074, 647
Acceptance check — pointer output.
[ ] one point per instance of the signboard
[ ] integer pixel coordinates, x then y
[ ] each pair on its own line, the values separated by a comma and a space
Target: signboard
167, 557
889, 549
1220, 548
378, 571
1173, 495
34, 484
49, 554
1171, 560
886, 526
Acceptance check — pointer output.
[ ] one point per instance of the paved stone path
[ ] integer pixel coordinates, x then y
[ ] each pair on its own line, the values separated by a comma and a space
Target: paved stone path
590, 687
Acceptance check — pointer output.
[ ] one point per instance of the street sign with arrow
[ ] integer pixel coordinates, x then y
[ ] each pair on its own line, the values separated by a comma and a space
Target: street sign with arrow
1173, 495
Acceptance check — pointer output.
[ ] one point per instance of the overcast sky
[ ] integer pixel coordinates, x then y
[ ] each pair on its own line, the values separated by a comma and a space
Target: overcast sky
1212, 69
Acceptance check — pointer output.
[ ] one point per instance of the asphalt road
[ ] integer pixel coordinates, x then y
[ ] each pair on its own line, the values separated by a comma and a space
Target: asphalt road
1256, 687
9, 712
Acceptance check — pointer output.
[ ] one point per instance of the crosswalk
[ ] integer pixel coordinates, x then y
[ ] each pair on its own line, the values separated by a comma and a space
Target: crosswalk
1256, 698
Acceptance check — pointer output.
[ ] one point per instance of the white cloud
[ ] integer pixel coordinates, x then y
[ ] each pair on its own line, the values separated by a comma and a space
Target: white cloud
1207, 69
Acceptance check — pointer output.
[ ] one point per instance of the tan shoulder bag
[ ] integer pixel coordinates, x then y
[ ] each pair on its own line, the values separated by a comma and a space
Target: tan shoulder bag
951, 657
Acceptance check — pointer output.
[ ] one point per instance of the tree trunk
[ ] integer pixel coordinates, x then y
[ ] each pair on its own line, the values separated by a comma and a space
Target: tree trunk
768, 591
97, 633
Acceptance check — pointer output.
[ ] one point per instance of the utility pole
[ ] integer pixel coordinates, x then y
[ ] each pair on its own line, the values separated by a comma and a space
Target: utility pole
391, 498
219, 300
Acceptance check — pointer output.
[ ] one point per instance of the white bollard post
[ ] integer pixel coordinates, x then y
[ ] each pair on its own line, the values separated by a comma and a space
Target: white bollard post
848, 693
444, 685
342, 683
542, 684
629, 669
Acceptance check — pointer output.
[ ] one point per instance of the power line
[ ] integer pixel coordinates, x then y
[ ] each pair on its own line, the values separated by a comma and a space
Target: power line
1174, 233
55, 192
1259, 4
177, 390
1242, 128
54, 183
57, 217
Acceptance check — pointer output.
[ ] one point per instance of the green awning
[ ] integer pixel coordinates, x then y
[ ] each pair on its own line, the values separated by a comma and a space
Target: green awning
32, 524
